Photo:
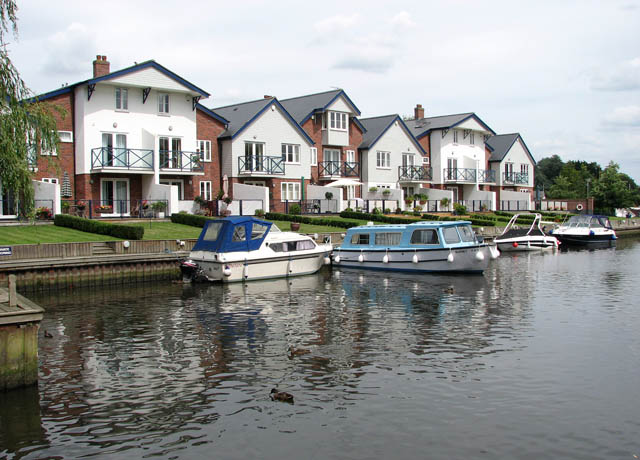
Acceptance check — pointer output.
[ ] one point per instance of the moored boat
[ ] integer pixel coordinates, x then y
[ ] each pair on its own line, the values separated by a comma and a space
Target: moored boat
585, 229
450, 246
247, 248
532, 238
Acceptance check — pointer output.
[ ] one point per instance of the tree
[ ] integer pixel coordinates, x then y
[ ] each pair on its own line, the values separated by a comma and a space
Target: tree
26, 125
612, 191
547, 170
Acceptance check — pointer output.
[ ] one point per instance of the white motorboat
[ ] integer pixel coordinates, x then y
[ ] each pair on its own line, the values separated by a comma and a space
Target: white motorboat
532, 238
439, 246
247, 248
585, 229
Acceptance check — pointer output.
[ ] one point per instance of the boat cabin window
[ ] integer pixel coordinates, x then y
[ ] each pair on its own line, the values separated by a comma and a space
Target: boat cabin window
258, 231
239, 234
388, 239
451, 235
429, 236
360, 238
213, 231
289, 246
466, 233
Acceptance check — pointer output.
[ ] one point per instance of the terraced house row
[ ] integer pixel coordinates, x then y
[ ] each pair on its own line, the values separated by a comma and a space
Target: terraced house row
144, 133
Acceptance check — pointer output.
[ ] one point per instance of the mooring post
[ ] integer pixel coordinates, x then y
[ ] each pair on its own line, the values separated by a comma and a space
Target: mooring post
13, 297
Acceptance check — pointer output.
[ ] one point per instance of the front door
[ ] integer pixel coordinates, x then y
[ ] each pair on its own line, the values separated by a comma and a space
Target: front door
332, 162
452, 165
455, 193
115, 193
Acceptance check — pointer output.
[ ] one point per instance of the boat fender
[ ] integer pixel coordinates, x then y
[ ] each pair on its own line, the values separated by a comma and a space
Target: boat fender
579, 207
495, 252
515, 244
450, 257
245, 271
326, 260
336, 259
479, 256
226, 271
385, 259
414, 259
360, 258
591, 232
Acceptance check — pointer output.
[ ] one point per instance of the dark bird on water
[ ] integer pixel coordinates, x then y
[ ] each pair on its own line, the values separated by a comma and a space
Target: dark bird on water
293, 352
48, 334
281, 396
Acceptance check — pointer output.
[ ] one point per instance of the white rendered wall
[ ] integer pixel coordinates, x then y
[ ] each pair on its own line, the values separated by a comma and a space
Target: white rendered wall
341, 105
518, 156
273, 129
252, 193
467, 155
482, 195
506, 195
46, 192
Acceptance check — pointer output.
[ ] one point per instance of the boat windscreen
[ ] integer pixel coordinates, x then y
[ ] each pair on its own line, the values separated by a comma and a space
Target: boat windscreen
213, 231
450, 235
258, 231
466, 233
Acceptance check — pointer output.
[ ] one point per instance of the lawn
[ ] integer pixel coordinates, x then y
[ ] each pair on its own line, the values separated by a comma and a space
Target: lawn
35, 234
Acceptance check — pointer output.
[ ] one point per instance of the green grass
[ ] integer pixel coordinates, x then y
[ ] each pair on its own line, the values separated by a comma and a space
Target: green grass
166, 230
35, 234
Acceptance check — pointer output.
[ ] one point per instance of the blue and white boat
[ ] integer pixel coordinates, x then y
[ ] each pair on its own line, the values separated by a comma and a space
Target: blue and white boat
419, 247
247, 248
585, 230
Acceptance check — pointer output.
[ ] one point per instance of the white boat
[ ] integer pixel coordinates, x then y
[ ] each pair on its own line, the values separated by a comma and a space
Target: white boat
585, 229
441, 246
532, 238
247, 248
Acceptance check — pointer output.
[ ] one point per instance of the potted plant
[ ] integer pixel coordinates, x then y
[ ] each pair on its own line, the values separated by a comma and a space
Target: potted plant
227, 200
328, 196
483, 207
259, 213
295, 209
373, 189
459, 209
43, 213
104, 209
65, 207
80, 205
409, 199
295, 226
386, 192
159, 207
422, 198
445, 203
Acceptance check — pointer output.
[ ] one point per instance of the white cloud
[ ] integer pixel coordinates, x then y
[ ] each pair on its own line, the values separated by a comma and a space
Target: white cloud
624, 116
624, 76
402, 20
337, 23
67, 51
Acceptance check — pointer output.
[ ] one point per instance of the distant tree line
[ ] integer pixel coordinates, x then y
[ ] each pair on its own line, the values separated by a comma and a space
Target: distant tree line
609, 187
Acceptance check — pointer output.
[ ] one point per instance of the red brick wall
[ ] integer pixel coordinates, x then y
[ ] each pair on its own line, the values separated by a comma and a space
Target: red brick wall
208, 128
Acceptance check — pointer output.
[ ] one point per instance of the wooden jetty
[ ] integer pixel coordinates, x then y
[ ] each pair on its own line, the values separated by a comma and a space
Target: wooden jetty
19, 323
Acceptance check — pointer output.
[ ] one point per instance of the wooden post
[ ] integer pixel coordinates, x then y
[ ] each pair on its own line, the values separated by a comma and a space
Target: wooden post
13, 298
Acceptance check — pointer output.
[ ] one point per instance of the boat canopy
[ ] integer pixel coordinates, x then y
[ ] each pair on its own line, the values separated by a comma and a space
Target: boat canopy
232, 234
588, 220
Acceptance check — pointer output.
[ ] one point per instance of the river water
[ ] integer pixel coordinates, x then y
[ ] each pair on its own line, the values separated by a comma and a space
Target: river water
537, 358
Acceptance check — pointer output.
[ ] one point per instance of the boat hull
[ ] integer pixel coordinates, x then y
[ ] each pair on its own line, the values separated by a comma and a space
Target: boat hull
528, 244
585, 240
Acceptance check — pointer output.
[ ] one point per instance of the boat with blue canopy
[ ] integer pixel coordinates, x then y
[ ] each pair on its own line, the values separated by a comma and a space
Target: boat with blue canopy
245, 248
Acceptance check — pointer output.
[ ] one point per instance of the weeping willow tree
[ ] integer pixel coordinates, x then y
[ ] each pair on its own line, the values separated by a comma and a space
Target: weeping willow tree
26, 125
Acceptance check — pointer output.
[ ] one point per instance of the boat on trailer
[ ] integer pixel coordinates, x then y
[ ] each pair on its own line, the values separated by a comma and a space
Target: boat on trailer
585, 229
246, 248
532, 238
449, 246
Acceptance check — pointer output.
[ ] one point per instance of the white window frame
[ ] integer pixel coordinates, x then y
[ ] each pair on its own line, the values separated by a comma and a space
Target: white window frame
314, 156
205, 150
524, 190
455, 136
65, 136
351, 192
524, 168
50, 180
291, 153
163, 104
205, 190
257, 183
425, 160
383, 159
121, 99
472, 139
338, 121
289, 191
351, 156
127, 199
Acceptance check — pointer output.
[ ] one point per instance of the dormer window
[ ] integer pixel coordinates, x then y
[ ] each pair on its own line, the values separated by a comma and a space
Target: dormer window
163, 103
122, 99
337, 120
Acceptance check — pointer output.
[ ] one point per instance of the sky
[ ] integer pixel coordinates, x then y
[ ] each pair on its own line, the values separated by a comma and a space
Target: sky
564, 74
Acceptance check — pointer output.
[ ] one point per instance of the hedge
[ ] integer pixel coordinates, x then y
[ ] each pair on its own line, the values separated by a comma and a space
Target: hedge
310, 220
189, 219
376, 217
126, 232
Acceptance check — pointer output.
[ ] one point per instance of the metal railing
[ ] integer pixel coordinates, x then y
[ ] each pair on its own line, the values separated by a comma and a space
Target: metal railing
113, 157
260, 164
179, 160
339, 169
486, 175
469, 175
514, 205
351, 169
515, 177
475, 205
91, 209
415, 173
317, 206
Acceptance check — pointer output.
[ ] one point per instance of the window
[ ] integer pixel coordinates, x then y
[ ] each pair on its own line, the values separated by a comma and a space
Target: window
289, 246
291, 153
205, 190
254, 156
451, 235
472, 139
388, 239
360, 238
239, 234
429, 236
65, 136
524, 190
258, 231
466, 233
163, 103
257, 183
383, 159
524, 169
114, 156
314, 156
122, 99
170, 157
351, 192
425, 160
289, 191
338, 120
455, 136
205, 150
351, 156
213, 230
50, 180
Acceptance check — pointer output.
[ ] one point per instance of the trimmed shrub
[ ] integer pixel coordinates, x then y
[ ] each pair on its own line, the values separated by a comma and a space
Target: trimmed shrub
311, 221
126, 232
189, 219
295, 209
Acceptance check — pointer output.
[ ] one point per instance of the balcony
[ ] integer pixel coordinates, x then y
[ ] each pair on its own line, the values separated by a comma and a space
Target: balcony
339, 169
260, 165
468, 175
121, 158
515, 178
173, 161
414, 173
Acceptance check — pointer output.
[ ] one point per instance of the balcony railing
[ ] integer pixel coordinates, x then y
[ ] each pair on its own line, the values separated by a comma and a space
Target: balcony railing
121, 158
468, 175
414, 173
259, 164
178, 160
339, 169
515, 178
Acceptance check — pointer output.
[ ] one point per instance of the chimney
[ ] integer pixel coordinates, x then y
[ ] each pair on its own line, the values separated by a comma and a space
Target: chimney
266, 96
100, 66
418, 112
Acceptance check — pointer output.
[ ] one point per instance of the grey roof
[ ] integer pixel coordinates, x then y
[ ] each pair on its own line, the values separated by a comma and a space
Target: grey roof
423, 126
375, 127
500, 145
239, 115
303, 107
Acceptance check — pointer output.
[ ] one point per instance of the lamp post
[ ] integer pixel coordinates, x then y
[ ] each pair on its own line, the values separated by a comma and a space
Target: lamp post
588, 182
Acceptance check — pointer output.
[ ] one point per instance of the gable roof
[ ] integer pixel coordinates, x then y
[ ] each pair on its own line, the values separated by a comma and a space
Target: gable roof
500, 145
240, 116
212, 114
376, 127
302, 108
118, 73
423, 126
